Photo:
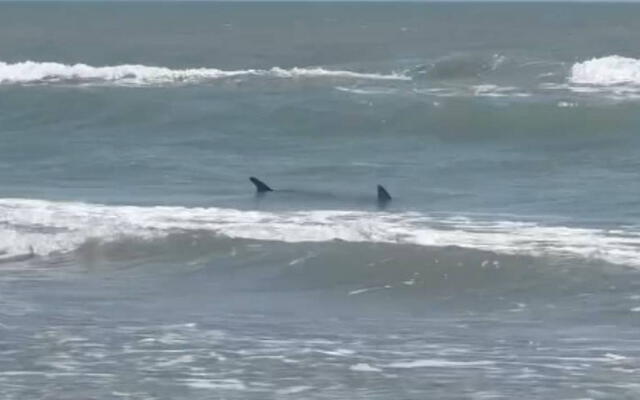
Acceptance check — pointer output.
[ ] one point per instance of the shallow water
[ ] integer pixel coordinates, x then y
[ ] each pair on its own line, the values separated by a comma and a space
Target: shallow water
506, 264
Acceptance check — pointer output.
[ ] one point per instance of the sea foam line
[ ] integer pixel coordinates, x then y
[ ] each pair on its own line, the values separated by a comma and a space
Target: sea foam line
29, 72
62, 227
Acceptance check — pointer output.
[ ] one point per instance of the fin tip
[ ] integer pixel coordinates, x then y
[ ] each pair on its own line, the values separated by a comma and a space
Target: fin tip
261, 187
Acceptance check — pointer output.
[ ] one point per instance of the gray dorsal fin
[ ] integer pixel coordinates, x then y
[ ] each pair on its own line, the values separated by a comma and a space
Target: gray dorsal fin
261, 187
383, 195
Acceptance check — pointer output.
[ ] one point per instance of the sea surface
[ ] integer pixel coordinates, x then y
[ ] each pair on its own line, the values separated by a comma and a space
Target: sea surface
138, 262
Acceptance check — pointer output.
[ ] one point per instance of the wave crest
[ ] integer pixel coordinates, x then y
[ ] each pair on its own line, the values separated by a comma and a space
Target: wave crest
607, 71
30, 72
53, 227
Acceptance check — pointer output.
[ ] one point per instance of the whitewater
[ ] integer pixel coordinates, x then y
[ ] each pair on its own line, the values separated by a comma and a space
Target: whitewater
50, 228
52, 72
611, 77
137, 262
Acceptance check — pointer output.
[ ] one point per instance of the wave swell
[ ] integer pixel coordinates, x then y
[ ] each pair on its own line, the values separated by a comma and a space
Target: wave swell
30, 72
58, 227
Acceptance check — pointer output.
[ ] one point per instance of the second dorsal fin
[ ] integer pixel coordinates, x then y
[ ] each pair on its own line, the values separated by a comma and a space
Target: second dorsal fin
383, 195
261, 187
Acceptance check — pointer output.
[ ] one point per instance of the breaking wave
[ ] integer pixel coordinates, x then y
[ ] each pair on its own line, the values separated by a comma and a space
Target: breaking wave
606, 71
30, 72
58, 227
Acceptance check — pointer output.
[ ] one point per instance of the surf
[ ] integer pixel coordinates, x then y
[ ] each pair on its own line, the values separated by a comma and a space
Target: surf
33, 72
59, 227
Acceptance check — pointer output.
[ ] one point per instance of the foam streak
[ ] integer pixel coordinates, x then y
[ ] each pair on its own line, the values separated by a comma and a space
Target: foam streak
30, 72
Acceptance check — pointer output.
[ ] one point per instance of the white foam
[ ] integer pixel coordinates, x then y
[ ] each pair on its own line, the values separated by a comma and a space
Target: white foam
364, 367
30, 72
482, 90
610, 70
184, 359
373, 91
438, 363
365, 290
52, 227
294, 389
489, 90
301, 260
615, 357
337, 352
215, 384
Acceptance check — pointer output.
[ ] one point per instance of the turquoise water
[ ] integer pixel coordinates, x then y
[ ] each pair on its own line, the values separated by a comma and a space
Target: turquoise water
139, 263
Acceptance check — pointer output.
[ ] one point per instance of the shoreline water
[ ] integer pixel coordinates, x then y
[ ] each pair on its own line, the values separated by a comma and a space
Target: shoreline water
505, 265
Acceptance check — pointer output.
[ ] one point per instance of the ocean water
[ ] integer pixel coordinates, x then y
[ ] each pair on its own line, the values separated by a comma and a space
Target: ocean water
139, 263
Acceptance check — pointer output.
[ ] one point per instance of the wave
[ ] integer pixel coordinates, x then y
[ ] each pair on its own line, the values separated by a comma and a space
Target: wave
459, 66
606, 71
30, 72
58, 227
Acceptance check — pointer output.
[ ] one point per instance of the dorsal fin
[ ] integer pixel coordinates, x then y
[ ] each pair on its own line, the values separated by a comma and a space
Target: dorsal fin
261, 187
383, 195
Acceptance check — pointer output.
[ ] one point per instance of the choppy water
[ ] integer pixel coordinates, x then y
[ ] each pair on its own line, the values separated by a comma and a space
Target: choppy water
138, 263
